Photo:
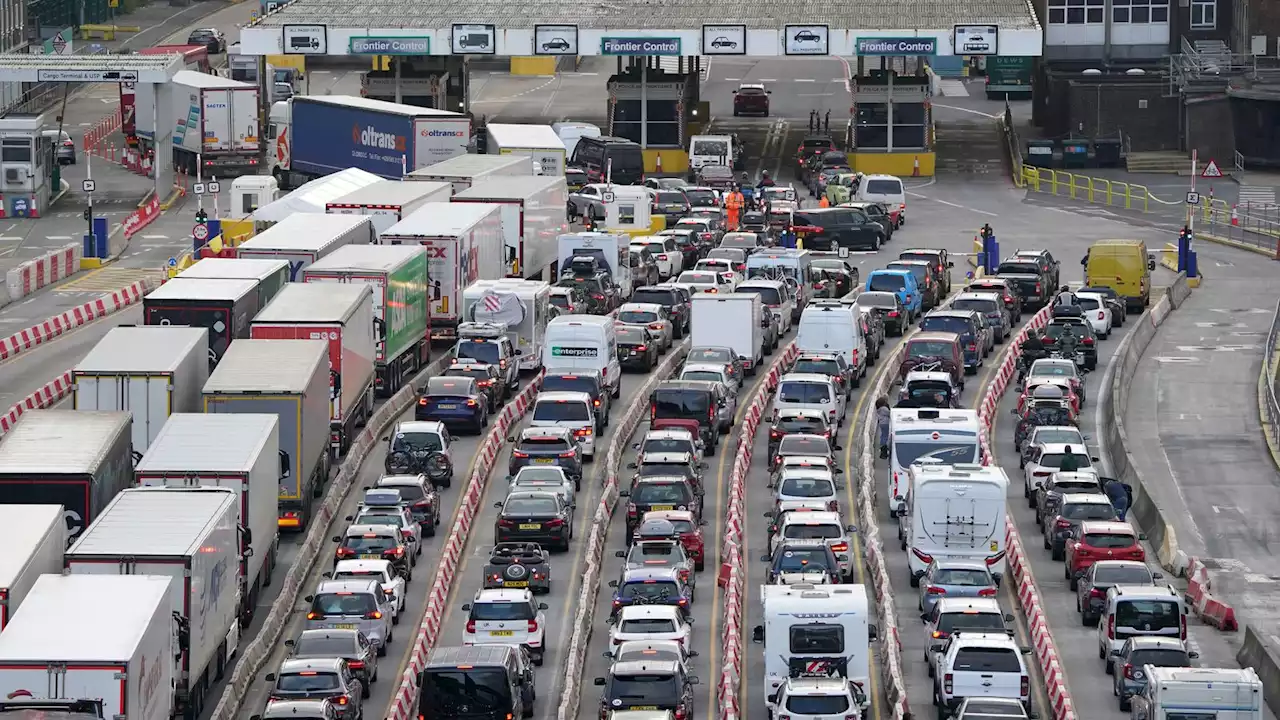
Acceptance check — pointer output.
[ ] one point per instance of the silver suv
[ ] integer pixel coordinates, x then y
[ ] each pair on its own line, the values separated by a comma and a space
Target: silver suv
362, 604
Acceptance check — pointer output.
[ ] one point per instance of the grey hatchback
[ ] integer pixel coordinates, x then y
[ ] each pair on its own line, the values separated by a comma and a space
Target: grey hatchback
314, 678
352, 604
347, 644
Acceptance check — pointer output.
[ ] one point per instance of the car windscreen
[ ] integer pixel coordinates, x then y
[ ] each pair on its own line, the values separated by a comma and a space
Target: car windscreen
920, 271
631, 336
1122, 575
647, 550
570, 383
416, 441
948, 453
806, 487
535, 506
561, 410
884, 187
929, 390
929, 349
656, 296
804, 446
702, 375
887, 283
664, 469
485, 352
820, 366
816, 639
670, 197
948, 622
373, 517
700, 198
630, 690
308, 681
1148, 614
543, 445
666, 445
1109, 541
359, 575
1088, 303
982, 306
768, 295
1053, 461
343, 603
448, 387
1159, 658
799, 391
1018, 268
321, 646
698, 278
708, 355
713, 148
812, 531
649, 590
451, 691
817, 704
946, 323
368, 543
961, 577
647, 625
668, 493
502, 611
877, 300
673, 403
804, 425
1055, 369
638, 317
987, 660
560, 301
1087, 511
480, 373
800, 560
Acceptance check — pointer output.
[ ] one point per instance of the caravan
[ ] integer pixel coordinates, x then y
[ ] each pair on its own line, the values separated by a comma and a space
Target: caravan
955, 512
524, 306
949, 437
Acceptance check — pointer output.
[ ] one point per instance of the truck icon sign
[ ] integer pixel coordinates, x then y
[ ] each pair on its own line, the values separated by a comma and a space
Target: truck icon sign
304, 42
474, 40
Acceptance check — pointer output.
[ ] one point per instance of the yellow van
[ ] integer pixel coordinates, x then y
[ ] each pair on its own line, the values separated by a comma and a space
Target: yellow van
1123, 266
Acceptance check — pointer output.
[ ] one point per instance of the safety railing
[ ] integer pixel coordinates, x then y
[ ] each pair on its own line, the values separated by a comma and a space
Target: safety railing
1250, 226
1267, 405
1100, 191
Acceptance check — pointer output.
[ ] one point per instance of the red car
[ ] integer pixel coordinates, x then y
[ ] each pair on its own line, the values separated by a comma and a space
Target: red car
690, 531
751, 100
1102, 540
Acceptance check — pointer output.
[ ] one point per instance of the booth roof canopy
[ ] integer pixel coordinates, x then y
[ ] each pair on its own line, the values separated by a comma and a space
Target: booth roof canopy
314, 196
882, 17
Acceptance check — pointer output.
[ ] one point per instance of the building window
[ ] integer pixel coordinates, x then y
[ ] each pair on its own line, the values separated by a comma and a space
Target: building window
1139, 11
1076, 12
1204, 14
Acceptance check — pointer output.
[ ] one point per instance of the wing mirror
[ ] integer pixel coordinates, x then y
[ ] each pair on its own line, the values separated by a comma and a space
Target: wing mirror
620, 553
613, 584
757, 634
511, 438
600, 681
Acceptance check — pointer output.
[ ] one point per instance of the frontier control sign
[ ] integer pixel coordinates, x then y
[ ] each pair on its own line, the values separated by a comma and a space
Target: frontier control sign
897, 46
639, 46
390, 46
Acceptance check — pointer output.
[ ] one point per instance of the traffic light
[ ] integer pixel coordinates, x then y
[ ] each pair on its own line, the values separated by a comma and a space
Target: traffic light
1185, 234
987, 232
88, 214
202, 217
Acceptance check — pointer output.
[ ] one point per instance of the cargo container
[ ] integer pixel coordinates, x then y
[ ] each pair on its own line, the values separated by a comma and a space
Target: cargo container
343, 315
387, 202
34, 538
238, 452
313, 136
465, 171
402, 331
224, 307
74, 458
539, 142
303, 238
192, 536
533, 211
216, 121
288, 379
464, 244
271, 273
194, 58
150, 371
108, 637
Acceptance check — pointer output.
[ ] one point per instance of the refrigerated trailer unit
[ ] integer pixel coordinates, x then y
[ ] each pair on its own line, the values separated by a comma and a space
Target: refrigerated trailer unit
342, 315
397, 274
271, 274
193, 537
539, 142
34, 538
387, 202
533, 217
108, 637
75, 458
465, 171
238, 452
223, 307
290, 380
303, 238
150, 371
215, 122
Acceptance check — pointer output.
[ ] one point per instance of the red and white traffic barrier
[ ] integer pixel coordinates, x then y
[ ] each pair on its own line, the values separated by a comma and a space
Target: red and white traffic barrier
1208, 607
43, 271
101, 129
53, 327
406, 696
48, 396
732, 575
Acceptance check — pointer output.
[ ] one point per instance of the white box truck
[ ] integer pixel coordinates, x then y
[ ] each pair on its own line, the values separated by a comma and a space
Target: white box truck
533, 211
1200, 694
215, 121
730, 320
539, 142
193, 537
34, 538
303, 238
247, 459
387, 202
151, 371
464, 244
465, 171
108, 637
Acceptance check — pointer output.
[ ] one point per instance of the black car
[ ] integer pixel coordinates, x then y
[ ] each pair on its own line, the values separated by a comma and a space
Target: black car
487, 377
877, 213
1119, 308
839, 265
518, 565
348, 644
1047, 265
637, 348
644, 685
932, 292
211, 38
671, 204
546, 446
798, 422
375, 542
1034, 287
799, 558
644, 268
889, 307
700, 197
599, 292
541, 517
660, 493
674, 299
1085, 341
1003, 286
586, 381
834, 228
939, 261
421, 496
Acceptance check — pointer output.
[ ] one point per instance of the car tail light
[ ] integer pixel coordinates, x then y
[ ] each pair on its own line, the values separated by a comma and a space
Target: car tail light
1037, 287
1062, 524
533, 626
1101, 315
631, 509
506, 524
922, 557
568, 454
471, 403
973, 347
345, 552
1182, 627
471, 626
681, 713
519, 454
422, 401
485, 383
343, 699
655, 326
1128, 671
940, 635
935, 590
642, 348
396, 552
597, 296
315, 616
582, 432
994, 559
1088, 341
596, 403
833, 505
774, 435
987, 592
1008, 299
840, 547
893, 313
663, 257
1111, 626
948, 683
355, 664
1024, 686
375, 615
1096, 593
902, 206
555, 523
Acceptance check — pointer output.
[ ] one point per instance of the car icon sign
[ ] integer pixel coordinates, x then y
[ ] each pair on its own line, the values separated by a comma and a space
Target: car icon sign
556, 44
724, 42
807, 36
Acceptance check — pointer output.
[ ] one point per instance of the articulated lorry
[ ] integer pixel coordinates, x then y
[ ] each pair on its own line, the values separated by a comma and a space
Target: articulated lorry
74, 458
216, 122
150, 371
290, 380
304, 238
270, 273
105, 638
313, 136
466, 171
34, 538
387, 202
397, 275
238, 452
223, 307
192, 536
533, 211
342, 315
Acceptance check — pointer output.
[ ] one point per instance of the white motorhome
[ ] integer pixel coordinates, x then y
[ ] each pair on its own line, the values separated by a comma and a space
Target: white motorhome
1200, 694
577, 342
816, 631
949, 437
614, 250
712, 150
955, 512
524, 306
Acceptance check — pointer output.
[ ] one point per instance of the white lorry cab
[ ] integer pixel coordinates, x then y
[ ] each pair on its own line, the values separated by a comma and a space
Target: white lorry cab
611, 250
948, 437
1179, 693
794, 267
955, 512
816, 631
831, 328
576, 342
524, 306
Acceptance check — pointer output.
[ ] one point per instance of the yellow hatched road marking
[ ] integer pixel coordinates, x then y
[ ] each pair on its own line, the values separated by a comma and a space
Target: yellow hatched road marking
108, 279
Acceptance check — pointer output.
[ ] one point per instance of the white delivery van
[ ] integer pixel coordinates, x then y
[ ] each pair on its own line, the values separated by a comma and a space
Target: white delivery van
569, 132
576, 342
886, 190
834, 328
731, 320
955, 512
949, 437
539, 142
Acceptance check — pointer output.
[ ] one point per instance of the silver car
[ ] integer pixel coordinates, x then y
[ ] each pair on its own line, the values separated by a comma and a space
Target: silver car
359, 604
543, 478
650, 315
713, 372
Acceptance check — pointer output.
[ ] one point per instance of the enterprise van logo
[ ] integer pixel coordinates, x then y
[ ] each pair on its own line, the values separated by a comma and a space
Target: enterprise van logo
369, 137
573, 352
437, 133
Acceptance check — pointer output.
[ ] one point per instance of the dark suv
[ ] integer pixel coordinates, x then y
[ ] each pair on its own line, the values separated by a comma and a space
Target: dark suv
583, 380
834, 228
675, 299
597, 285
1034, 287
547, 446
642, 685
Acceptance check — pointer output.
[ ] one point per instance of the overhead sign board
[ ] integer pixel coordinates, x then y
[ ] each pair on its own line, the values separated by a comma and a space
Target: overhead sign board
389, 46
86, 75
907, 46
975, 40
306, 39
647, 46
724, 39
474, 40
806, 40
555, 39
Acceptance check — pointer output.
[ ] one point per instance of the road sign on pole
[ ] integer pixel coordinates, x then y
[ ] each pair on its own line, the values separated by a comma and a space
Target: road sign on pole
88, 185
200, 232
1211, 170
1193, 197
198, 188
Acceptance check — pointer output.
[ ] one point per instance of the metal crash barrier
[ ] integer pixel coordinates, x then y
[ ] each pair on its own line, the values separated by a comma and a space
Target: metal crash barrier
1100, 191
1249, 226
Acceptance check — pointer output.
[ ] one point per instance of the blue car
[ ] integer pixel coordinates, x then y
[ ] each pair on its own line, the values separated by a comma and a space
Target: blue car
901, 283
651, 586
964, 324
454, 401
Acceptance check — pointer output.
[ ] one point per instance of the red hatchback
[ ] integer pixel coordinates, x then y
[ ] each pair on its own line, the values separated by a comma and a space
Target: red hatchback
751, 100
689, 530
1102, 540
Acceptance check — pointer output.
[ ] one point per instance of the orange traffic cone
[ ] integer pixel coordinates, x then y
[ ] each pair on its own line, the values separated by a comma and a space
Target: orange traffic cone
1235, 217
915, 167
658, 163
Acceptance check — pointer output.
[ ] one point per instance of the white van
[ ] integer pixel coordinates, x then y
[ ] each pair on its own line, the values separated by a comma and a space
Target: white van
1140, 611
576, 342
887, 190
572, 411
711, 150
834, 328
569, 132
810, 391
955, 512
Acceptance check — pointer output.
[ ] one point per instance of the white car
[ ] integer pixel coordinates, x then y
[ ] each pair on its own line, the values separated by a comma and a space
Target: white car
813, 392
815, 484
706, 281
652, 316
543, 478
671, 440
651, 622
1065, 434
813, 698
722, 266
652, 651
1096, 311
573, 411
507, 617
776, 295
1045, 459
383, 571
811, 525
669, 258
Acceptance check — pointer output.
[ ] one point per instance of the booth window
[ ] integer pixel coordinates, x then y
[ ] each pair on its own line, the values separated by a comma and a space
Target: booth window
16, 150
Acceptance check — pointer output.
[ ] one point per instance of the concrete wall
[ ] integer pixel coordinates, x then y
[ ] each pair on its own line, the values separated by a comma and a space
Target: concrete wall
1209, 127
1111, 105
1264, 19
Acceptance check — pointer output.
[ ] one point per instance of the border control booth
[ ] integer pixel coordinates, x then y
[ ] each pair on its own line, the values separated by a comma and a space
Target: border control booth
653, 108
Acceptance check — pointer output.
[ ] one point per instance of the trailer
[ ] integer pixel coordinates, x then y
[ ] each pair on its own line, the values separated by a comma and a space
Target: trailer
290, 380
34, 538
303, 238
387, 202
533, 211
271, 273
150, 371
343, 315
223, 307
216, 121
464, 244
194, 58
192, 536
466, 171
95, 637
397, 275
74, 458
523, 306
246, 458
539, 142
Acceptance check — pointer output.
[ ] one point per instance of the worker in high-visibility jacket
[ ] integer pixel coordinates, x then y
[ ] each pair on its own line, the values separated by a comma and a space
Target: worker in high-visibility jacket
733, 205
824, 202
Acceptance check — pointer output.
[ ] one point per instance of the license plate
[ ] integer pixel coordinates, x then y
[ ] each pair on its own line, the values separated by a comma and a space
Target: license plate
515, 583
1079, 357
530, 526
662, 507
544, 461
447, 407
343, 626
371, 556
644, 707
501, 633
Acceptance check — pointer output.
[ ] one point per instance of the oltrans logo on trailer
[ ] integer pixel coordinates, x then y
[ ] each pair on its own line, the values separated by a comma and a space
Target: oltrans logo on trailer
436, 132
372, 137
